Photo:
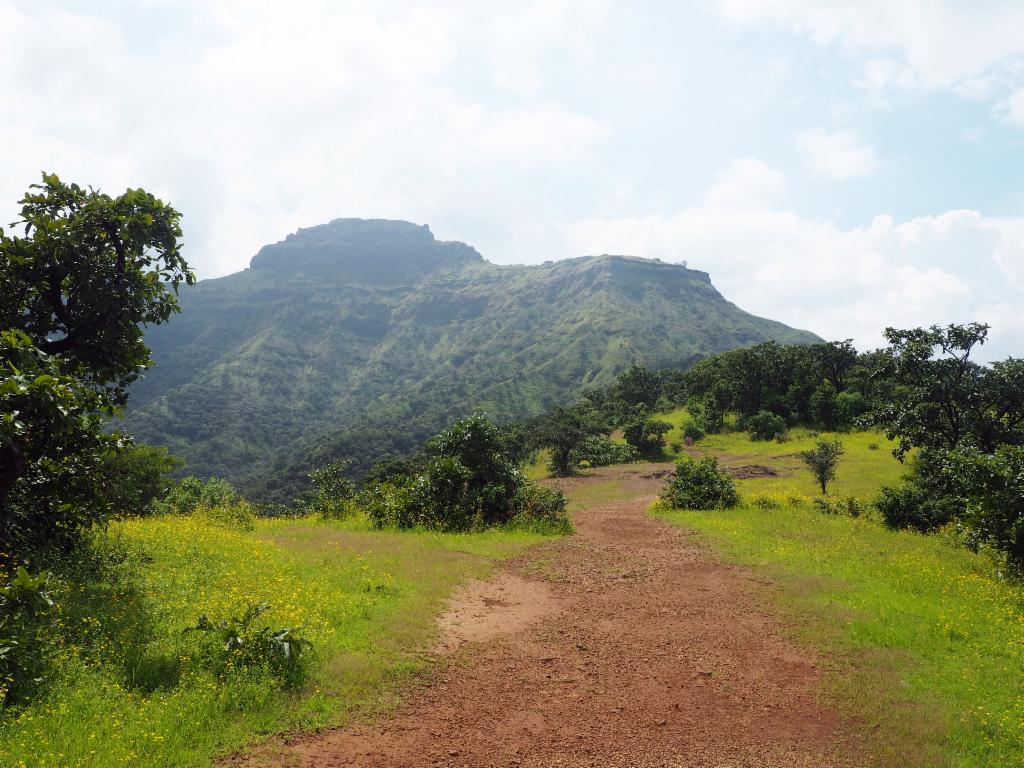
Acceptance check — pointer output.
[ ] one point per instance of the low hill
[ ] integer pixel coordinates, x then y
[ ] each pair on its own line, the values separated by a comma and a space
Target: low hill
360, 338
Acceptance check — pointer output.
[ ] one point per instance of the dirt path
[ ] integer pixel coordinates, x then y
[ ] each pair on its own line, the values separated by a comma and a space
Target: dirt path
628, 644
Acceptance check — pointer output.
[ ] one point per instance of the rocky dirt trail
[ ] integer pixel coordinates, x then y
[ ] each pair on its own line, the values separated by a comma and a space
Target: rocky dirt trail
628, 644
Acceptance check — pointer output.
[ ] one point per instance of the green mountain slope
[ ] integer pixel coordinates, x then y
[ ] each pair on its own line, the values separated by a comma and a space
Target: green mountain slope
360, 338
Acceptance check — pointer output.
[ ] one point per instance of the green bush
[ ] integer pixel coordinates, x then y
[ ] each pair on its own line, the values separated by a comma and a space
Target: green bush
190, 492
993, 484
601, 450
541, 510
693, 431
26, 639
238, 645
700, 485
850, 506
765, 425
388, 504
136, 476
910, 506
239, 515
646, 435
440, 496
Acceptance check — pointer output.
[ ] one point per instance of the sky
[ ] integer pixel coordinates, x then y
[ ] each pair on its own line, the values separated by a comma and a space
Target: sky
841, 167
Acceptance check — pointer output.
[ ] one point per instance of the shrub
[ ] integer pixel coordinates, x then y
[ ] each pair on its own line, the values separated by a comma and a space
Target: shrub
136, 476
646, 435
910, 506
765, 425
822, 460
849, 506
994, 486
190, 492
26, 640
334, 490
601, 450
239, 515
766, 503
541, 510
700, 485
439, 496
872, 446
236, 644
388, 504
693, 431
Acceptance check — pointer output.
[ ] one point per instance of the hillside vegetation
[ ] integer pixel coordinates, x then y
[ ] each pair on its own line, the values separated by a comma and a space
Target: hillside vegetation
359, 339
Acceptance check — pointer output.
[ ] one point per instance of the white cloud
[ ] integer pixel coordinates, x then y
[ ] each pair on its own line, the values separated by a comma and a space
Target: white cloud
1013, 107
811, 273
255, 118
840, 154
747, 182
969, 47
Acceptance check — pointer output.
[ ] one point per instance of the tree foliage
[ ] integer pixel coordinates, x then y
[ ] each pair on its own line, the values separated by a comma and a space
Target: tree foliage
823, 461
76, 287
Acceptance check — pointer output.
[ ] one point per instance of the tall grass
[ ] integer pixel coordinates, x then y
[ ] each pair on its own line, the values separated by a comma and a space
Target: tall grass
129, 688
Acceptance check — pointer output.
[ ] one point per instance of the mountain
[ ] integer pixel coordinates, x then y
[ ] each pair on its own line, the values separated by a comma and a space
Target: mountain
360, 338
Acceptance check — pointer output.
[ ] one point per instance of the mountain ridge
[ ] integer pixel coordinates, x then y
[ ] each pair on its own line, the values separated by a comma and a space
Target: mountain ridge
360, 338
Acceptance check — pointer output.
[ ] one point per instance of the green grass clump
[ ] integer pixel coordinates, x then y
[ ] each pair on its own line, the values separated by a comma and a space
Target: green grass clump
928, 640
129, 688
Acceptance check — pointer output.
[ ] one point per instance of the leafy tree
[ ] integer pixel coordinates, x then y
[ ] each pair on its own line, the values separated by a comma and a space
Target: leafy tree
51, 448
88, 272
563, 431
765, 425
823, 460
75, 289
638, 386
943, 399
994, 486
135, 475
480, 447
647, 435
825, 406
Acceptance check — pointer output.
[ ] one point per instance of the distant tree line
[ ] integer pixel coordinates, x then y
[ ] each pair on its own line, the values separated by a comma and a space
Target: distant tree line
958, 424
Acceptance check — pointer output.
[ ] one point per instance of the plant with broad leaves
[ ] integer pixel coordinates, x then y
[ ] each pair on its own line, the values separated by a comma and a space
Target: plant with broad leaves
237, 644
26, 641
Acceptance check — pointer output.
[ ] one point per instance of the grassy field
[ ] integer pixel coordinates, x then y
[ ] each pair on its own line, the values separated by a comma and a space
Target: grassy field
128, 689
927, 641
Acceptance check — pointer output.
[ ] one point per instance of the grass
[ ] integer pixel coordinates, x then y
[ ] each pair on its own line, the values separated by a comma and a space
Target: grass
129, 688
927, 640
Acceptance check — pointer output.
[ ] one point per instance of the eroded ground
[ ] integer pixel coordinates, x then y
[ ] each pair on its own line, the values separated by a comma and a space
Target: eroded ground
627, 644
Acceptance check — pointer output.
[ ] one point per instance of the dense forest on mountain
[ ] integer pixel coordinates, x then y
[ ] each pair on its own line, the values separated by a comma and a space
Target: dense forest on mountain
361, 338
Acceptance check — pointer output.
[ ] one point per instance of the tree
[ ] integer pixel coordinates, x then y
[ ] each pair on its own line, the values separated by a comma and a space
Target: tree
943, 399
134, 476
564, 430
51, 445
823, 460
994, 486
647, 435
638, 386
75, 290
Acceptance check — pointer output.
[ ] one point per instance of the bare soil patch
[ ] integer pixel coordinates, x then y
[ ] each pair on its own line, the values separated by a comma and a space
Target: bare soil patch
628, 644
484, 610
747, 471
